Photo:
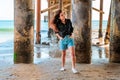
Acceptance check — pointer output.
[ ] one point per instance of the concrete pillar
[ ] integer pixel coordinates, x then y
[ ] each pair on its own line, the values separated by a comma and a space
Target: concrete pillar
115, 32
23, 31
81, 18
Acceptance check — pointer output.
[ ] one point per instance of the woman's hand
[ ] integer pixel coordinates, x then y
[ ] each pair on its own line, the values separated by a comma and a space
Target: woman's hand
60, 38
72, 36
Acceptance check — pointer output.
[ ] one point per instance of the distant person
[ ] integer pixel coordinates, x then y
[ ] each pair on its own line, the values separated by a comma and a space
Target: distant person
63, 30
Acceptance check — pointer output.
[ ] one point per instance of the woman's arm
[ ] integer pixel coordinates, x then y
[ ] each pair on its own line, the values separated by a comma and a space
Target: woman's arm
58, 36
54, 28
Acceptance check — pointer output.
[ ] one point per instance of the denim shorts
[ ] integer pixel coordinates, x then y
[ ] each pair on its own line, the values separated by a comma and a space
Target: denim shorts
66, 42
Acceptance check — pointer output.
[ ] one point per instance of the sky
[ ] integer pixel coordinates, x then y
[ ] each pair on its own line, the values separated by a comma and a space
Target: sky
7, 9
106, 7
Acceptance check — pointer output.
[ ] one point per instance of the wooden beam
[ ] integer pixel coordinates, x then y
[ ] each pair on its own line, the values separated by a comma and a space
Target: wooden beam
51, 7
67, 5
98, 10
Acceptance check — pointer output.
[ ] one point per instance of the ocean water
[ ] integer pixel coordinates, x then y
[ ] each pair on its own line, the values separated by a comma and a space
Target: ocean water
7, 29
9, 24
6, 24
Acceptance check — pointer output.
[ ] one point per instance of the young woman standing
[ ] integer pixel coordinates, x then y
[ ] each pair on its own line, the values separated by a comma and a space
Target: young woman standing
63, 30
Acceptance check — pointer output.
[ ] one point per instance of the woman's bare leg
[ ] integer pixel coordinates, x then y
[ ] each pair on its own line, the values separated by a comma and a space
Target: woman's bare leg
63, 58
72, 51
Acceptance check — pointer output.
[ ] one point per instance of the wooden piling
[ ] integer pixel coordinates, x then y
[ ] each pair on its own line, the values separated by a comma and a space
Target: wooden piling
100, 35
107, 35
81, 18
61, 4
49, 11
38, 24
115, 32
52, 5
49, 14
69, 12
23, 31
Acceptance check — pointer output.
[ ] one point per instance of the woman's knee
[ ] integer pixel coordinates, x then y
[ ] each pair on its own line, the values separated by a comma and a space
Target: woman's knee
73, 54
72, 51
63, 53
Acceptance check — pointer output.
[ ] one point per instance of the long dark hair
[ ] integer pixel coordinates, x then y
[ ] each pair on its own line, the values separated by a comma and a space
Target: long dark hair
56, 17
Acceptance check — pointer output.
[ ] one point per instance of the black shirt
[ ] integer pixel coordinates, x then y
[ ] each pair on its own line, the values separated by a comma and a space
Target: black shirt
65, 29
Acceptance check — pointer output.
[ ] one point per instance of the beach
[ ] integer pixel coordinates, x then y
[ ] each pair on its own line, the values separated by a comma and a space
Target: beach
47, 61
47, 67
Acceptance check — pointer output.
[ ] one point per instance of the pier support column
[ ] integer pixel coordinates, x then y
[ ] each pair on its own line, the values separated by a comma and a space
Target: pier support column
81, 18
115, 32
100, 35
38, 34
69, 12
107, 35
23, 31
61, 4
49, 17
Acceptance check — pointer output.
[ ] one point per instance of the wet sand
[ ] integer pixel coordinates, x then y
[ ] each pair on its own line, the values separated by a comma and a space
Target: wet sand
47, 64
49, 70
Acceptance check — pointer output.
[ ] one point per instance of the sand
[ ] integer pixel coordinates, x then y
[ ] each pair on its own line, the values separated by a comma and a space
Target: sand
49, 70
47, 66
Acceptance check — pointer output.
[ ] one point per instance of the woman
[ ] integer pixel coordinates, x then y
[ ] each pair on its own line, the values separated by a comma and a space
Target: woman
63, 30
